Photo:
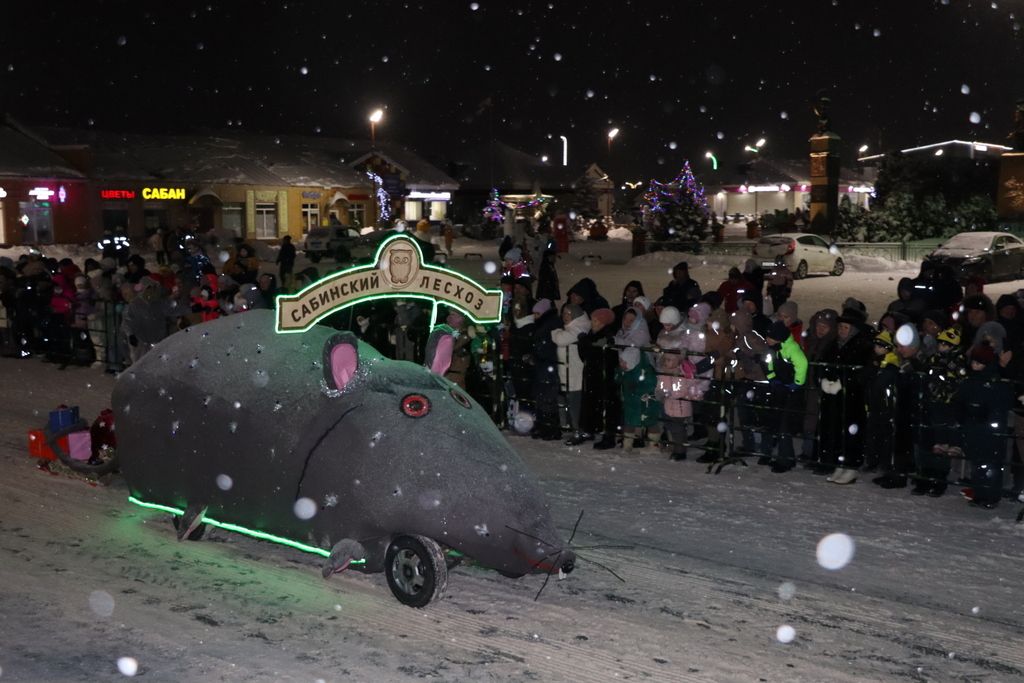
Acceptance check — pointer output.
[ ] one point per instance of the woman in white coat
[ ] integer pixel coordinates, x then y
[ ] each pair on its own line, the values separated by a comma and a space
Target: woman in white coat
570, 364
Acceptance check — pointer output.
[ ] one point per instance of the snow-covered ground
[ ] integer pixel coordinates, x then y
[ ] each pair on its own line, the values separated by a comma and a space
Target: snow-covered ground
718, 572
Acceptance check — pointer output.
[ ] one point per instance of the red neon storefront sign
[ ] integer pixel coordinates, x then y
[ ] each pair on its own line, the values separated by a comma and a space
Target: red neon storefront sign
117, 194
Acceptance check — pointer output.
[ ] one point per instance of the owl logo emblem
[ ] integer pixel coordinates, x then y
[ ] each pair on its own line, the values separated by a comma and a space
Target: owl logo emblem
401, 266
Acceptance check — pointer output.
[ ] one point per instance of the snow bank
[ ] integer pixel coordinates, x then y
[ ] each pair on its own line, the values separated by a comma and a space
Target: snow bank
620, 234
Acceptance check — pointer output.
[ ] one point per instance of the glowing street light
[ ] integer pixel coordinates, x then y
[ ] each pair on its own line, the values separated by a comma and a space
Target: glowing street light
611, 136
544, 159
375, 118
565, 150
714, 160
760, 143
862, 149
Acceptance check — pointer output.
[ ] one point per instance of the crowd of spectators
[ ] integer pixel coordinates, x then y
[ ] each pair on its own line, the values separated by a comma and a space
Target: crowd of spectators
933, 385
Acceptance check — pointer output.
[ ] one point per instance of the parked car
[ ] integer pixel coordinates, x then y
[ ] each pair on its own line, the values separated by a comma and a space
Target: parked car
803, 252
989, 255
335, 241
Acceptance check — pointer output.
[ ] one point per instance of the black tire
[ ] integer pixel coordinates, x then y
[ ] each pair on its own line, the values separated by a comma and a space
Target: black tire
315, 258
839, 268
801, 271
197, 533
415, 570
105, 466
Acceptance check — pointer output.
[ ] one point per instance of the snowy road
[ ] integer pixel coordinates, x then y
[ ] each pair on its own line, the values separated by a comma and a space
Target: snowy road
717, 565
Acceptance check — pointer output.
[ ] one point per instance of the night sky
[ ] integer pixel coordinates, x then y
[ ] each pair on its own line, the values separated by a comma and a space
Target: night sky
677, 78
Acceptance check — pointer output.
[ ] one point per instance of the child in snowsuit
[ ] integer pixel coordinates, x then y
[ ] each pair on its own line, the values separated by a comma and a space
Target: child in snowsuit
637, 380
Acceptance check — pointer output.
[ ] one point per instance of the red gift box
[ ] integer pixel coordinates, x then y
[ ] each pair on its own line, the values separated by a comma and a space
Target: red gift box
38, 448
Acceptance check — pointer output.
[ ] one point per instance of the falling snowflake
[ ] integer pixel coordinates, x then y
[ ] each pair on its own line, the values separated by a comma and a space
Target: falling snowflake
557, 56
224, 482
128, 666
965, 89
787, 590
785, 634
304, 70
490, 267
304, 508
474, 6
835, 551
975, 117
783, 115
122, 41
102, 603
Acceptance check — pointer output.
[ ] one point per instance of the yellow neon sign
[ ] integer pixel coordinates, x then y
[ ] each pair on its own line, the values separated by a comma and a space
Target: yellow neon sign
163, 193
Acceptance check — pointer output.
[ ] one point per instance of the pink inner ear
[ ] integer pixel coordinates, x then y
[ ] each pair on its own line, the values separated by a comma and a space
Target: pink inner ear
343, 364
442, 356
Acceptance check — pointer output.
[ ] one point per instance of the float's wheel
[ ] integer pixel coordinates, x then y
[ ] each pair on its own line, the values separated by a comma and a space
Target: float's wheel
415, 570
197, 533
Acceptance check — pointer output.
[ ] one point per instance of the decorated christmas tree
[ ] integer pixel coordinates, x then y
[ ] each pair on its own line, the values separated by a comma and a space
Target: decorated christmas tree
677, 210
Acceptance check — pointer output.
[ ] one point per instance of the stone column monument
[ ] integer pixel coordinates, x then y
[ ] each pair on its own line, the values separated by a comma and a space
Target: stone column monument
824, 171
1010, 195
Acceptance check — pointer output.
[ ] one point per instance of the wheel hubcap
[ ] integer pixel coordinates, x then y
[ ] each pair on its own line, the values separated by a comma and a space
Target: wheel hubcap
407, 571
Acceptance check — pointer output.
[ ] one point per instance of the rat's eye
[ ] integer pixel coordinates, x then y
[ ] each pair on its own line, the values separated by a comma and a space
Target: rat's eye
415, 405
461, 398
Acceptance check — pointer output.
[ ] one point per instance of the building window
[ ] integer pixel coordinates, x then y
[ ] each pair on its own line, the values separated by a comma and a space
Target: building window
310, 217
233, 216
114, 219
37, 221
438, 211
266, 222
413, 210
357, 215
154, 219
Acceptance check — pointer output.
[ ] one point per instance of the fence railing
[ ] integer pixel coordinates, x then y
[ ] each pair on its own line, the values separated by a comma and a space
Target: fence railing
891, 251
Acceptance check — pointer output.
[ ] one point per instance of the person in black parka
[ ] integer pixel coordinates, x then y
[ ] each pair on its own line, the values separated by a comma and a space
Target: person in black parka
982, 404
547, 425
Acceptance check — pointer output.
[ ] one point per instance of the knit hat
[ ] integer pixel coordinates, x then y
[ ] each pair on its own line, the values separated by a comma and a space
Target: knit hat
670, 316
856, 304
983, 353
977, 302
734, 273
950, 336
701, 311
682, 265
605, 316
884, 339
542, 306
907, 335
642, 302
630, 356
852, 316
455, 319
515, 254
788, 308
751, 295
778, 331
1007, 300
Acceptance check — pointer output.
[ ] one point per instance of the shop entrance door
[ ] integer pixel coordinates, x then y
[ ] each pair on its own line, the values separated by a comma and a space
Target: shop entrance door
37, 222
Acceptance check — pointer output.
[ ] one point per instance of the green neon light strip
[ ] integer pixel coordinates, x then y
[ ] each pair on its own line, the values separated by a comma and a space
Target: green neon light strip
227, 526
369, 268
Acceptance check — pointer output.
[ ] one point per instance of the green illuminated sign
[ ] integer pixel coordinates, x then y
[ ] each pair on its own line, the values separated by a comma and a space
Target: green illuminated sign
262, 535
397, 271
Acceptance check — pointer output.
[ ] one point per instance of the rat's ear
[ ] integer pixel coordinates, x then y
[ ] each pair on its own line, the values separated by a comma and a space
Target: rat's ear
439, 350
341, 359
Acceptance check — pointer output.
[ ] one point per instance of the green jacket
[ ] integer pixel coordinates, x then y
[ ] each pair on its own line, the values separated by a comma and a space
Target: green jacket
636, 384
788, 364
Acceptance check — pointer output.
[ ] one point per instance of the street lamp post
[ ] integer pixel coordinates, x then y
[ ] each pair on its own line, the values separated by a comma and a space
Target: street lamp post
565, 150
375, 118
714, 160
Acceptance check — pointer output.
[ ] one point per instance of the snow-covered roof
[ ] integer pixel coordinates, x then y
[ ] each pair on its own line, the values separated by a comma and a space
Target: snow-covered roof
765, 171
242, 158
23, 155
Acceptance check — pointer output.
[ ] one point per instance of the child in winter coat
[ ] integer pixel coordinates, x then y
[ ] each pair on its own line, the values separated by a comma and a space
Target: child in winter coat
945, 371
982, 403
637, 380
570, 364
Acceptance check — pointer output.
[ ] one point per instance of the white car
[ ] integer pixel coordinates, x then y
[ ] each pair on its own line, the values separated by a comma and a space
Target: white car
803, 252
